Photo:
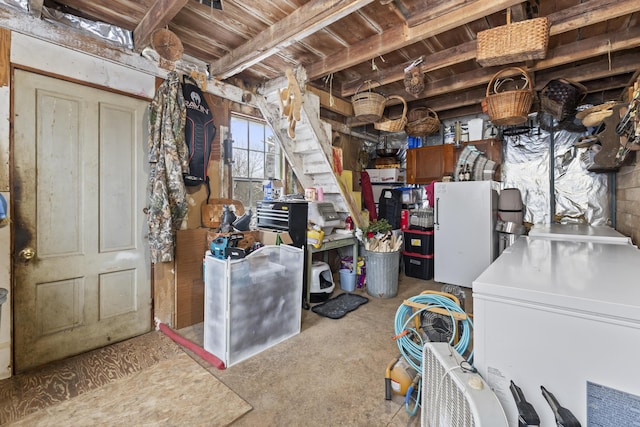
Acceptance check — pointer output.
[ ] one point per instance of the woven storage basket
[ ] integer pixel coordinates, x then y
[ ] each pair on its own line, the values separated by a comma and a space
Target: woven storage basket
510, 107
560, 97
368, 106
422, 121
393, 125
514, 42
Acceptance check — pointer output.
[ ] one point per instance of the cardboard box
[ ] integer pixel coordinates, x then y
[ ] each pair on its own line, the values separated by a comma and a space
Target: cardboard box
387, 175
392, 175
374, 174
270, 237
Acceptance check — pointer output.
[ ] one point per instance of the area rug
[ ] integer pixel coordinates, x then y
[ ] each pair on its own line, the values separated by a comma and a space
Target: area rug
339, 306
176, 391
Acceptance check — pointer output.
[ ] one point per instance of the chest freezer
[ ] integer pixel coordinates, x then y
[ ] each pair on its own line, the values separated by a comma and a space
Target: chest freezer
564, 315
579, 233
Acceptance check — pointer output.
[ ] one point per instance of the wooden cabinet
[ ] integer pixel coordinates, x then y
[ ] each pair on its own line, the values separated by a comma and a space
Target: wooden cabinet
427, 164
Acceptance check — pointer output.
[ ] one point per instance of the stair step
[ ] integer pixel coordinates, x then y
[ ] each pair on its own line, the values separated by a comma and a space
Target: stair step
309, 152
316, 157
315, 169
328, 189
306, 146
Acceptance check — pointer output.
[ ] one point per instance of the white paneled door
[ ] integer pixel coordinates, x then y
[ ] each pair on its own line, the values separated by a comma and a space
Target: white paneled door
81, 269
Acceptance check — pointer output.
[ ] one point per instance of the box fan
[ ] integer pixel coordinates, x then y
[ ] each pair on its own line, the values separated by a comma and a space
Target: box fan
453, 394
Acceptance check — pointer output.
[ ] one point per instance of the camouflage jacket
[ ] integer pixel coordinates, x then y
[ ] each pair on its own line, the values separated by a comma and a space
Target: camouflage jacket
168, 160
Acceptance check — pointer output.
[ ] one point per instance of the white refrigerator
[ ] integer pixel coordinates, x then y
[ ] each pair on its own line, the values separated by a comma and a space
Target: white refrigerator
564, 315
465, 240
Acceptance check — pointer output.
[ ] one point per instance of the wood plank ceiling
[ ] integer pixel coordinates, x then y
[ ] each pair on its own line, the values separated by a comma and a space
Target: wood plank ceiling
342, 43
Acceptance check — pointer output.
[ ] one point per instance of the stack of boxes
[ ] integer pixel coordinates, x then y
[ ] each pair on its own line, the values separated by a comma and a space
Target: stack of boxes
418, 251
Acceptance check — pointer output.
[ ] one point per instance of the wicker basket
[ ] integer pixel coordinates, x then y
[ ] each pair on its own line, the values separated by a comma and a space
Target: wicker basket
393, 125
517, 42
560, 97
368, 106
510, 107
422, 121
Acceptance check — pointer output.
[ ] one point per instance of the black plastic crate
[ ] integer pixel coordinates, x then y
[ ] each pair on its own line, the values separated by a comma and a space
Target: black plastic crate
418, 242
419, 266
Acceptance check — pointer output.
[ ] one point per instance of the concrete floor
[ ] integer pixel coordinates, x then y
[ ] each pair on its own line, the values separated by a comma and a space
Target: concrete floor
331, 374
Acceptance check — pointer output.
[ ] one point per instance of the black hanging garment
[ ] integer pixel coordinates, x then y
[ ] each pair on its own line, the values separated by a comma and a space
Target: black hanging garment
390, 206
199, 133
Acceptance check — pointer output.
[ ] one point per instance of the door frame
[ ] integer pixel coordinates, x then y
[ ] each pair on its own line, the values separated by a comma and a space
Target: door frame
85, 70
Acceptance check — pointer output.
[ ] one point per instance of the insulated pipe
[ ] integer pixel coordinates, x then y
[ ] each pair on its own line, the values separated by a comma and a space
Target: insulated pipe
201, 352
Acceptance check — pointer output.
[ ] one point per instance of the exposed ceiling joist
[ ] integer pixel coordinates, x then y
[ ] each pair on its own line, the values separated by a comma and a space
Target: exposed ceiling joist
304, 21
399, 37
446, 87
563, 21
441, 59
259, 40
158, 16
589, 13
333, 103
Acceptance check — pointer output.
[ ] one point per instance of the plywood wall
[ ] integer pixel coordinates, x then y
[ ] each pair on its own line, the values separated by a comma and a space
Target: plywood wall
628, 201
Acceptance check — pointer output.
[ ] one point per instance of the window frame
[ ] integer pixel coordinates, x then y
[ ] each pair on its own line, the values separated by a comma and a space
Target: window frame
245, 147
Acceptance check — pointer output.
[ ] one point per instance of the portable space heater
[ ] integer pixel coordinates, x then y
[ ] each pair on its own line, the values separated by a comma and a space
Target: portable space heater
453, 394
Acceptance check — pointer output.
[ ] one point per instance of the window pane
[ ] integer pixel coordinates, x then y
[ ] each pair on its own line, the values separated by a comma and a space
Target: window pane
256, 164
257, 193
240, 165
248, 192
271, 167
242, 192
239, 133
273, 157
256, 136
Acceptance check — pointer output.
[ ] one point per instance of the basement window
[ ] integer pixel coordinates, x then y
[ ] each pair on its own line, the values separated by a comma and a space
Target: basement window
256, 158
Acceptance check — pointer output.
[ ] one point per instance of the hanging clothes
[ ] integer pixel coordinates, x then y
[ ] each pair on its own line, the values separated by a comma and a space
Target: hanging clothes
168, 160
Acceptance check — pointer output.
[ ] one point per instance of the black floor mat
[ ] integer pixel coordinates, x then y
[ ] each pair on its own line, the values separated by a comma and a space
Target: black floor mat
337, 307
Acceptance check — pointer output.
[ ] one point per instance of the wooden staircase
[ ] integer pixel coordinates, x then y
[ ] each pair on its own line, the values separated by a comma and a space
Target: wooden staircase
309, 152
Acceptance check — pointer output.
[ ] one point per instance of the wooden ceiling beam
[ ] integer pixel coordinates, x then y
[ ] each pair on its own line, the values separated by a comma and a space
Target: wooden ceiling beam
303, 22
332, 102
563, 21
158, 16
470, 88
399, 37
426, 10
622, 64
589, 13
435, 61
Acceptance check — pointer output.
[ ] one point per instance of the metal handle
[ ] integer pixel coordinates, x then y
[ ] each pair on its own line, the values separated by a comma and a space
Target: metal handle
436, 222
27, 254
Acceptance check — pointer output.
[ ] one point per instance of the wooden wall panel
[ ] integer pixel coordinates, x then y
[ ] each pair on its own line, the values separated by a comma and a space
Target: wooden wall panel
5, 59
628, 201
190, 248
164, 293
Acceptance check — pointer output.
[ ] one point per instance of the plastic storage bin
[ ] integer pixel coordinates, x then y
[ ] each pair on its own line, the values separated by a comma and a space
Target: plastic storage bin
418, 242
418, 266
253, 303
347, 279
